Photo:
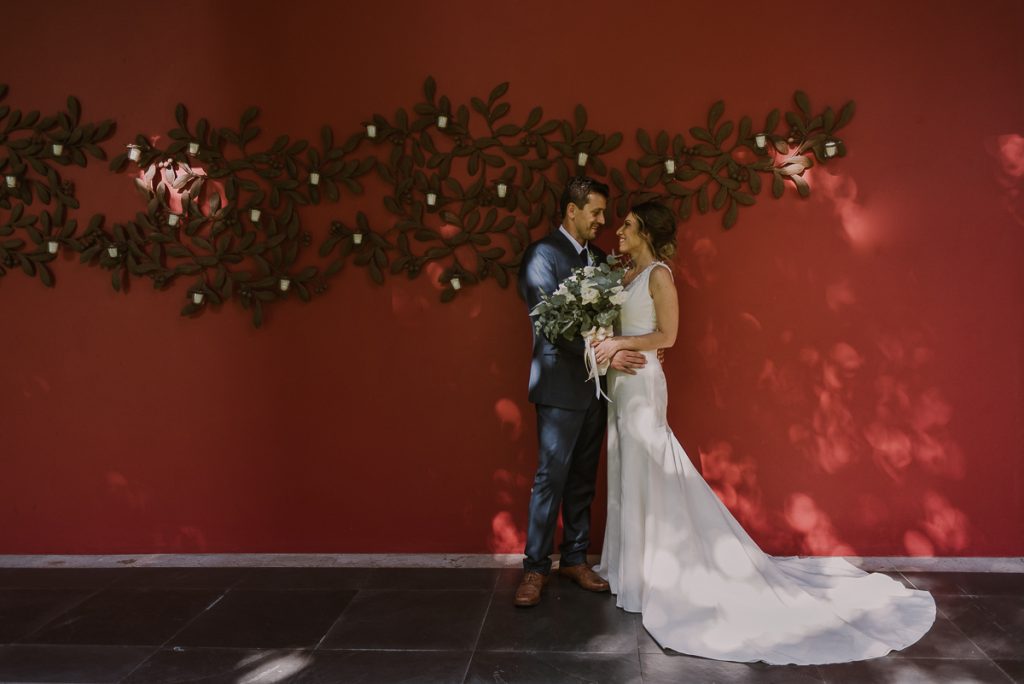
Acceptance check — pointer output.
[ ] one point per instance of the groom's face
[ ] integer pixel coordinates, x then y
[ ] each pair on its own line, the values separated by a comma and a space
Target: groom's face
587, 220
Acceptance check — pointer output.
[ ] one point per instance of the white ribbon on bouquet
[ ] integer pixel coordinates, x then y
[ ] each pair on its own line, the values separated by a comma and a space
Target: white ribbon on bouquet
594, 369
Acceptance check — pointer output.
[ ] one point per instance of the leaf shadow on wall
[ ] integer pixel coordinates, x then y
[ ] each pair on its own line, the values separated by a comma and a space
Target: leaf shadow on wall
815, 412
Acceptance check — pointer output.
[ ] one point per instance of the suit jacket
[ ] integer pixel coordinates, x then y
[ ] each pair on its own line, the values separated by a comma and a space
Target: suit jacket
558, 375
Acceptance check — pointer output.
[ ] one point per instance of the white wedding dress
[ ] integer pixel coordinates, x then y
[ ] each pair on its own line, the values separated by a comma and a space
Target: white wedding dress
674, 552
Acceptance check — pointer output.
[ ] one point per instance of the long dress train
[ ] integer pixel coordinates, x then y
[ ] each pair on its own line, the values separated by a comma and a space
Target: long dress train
673, 552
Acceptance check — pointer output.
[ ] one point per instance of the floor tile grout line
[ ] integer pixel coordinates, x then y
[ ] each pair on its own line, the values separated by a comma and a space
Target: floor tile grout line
220, 597
46, 624
974, 644
479, 632
344, 610
1006, 674
231, 587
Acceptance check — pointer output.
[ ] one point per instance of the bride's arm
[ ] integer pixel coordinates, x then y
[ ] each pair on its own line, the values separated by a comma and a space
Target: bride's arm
666, 309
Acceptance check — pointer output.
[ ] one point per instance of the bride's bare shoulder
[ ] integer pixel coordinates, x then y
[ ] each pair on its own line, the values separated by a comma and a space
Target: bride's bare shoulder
661, 273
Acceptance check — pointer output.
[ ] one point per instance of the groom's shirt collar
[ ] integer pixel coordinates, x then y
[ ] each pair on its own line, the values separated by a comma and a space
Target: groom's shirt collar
575, 244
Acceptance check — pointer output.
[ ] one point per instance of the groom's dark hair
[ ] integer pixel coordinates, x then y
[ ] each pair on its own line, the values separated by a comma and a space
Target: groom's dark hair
576, 191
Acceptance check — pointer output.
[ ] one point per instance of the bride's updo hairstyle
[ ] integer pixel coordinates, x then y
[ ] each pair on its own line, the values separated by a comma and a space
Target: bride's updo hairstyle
658, 227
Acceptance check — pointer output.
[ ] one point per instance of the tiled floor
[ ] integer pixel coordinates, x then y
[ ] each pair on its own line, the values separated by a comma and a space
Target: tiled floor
424, 625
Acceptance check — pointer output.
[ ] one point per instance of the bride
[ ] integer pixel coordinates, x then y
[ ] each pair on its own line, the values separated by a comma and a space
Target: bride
674, 552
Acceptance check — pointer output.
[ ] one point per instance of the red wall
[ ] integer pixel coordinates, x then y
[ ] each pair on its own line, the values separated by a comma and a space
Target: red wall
849, 367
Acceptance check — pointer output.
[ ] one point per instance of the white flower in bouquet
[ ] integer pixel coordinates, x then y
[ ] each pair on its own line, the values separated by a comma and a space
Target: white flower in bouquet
618, 296
563, 291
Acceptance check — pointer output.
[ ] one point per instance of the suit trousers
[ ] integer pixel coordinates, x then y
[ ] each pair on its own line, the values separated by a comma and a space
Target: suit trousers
568, 456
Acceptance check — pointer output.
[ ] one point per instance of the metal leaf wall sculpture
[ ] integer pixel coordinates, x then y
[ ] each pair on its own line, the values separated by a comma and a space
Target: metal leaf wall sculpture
466, 188
36, 199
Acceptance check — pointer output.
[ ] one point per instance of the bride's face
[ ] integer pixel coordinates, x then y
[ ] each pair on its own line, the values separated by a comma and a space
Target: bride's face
630, 240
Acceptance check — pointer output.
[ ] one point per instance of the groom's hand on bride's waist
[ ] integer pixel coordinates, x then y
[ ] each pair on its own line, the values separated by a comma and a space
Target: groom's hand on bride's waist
628, 361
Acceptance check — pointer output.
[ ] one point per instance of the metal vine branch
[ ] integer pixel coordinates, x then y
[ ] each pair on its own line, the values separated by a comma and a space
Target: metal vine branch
465, 188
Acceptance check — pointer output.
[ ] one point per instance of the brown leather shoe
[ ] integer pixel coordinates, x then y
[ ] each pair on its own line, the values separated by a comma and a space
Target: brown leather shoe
585, 577
528, 593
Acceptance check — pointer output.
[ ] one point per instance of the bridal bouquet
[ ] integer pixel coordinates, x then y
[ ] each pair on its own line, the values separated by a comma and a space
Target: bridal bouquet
586, 304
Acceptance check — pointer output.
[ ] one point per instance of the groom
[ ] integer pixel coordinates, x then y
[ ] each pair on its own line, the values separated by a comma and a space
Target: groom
570, 418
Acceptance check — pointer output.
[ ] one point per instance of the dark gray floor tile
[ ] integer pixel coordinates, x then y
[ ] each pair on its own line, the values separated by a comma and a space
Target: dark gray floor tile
913, 671
1005, 611
935, 582
226, 665
955, 606
432, 578
127, 617
1013, 668
305, 578
180, 578
943, 640
998, 644
544, 668
659, 669
410, 619
994, 623
23, 611
568, 619
266, 619
37, 663
384, 667
990, 583
57, 578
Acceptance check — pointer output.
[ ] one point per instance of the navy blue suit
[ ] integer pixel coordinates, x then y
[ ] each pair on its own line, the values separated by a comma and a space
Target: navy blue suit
570, 418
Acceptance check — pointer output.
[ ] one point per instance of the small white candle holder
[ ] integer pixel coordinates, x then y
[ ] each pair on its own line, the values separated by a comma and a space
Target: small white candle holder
456, 283
134, 152
58, 149
198, 297
760, 141
371, 131
172, 219
581, 159
314, 178
831, 149
112, 252
431, 198
52, 246
502, 190
254, 215
442, 120
284, 284
193, 148
670, 166
357, 238
12, 181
